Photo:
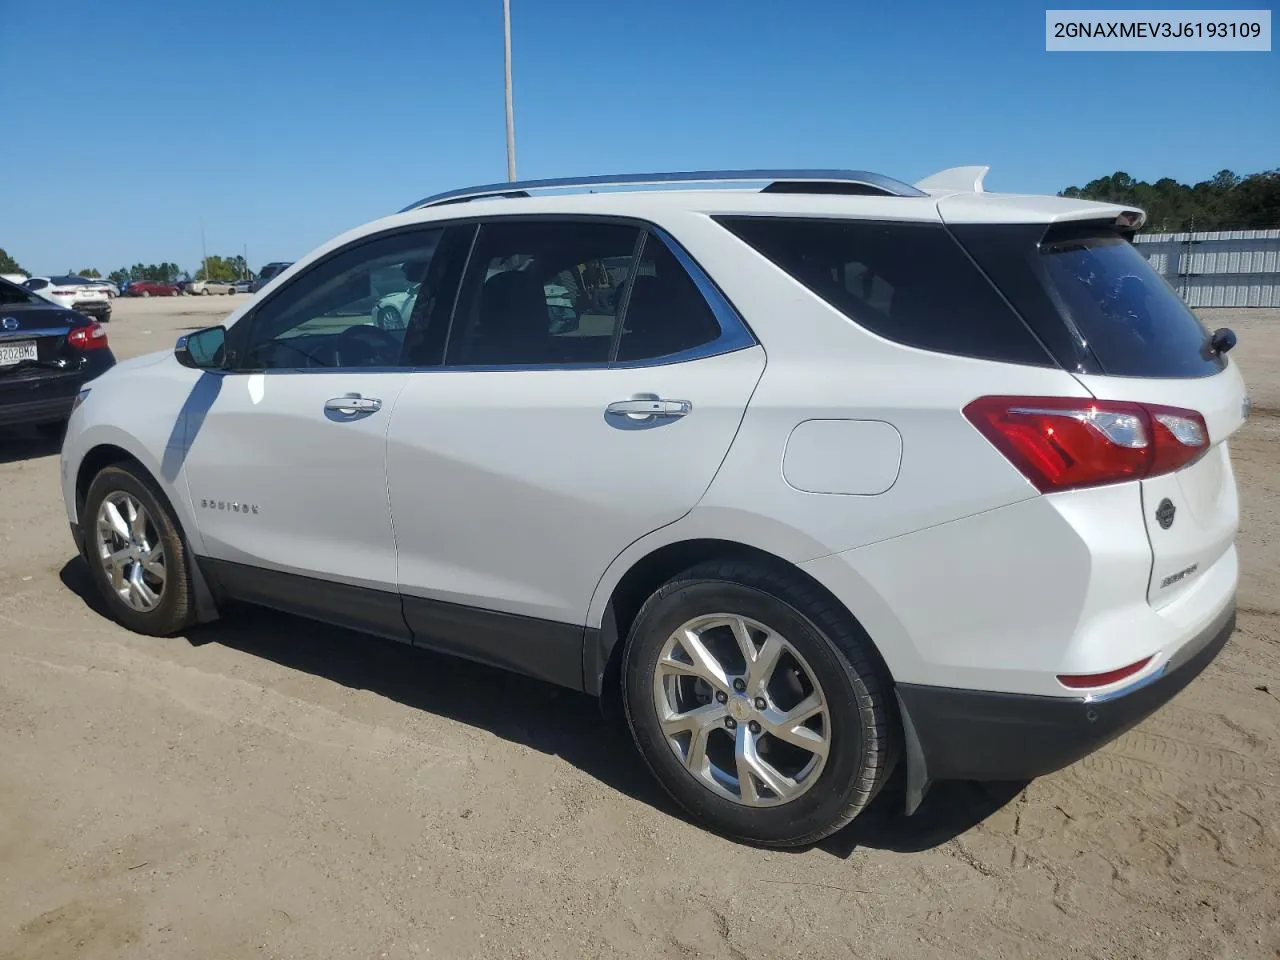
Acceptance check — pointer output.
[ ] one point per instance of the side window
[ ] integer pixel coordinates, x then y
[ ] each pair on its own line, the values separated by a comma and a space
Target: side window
36, 284
907, 282
541, 292
666, 312
352, 310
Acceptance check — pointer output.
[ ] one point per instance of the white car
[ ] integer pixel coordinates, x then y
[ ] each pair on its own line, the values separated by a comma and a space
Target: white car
833, 474
74, 293
206, 287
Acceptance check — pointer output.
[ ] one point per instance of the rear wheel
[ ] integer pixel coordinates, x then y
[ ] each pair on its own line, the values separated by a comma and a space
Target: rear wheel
136, 553
389, 318
757, 704
146, 293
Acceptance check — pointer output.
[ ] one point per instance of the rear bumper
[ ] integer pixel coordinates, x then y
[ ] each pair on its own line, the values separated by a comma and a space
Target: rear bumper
99, 310
954, 734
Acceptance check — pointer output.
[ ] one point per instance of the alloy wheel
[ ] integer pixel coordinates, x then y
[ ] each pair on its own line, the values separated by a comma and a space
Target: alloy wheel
130, 551
742, 710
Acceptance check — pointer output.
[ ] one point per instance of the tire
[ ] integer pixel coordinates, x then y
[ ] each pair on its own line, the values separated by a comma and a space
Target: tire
176, 293
389, 319
175, 607
858, 725
146, 293
204, 292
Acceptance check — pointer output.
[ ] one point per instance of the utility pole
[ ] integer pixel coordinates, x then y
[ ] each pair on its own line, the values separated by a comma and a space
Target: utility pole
511, 124
204, 253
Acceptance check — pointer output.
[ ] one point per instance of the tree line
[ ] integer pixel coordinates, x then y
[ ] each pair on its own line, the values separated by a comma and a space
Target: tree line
214, 268
1223, 202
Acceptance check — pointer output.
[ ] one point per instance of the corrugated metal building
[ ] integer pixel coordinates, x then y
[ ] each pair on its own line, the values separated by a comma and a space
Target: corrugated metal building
1224, 268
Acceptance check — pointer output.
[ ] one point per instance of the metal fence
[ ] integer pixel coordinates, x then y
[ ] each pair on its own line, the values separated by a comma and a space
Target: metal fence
1223, 268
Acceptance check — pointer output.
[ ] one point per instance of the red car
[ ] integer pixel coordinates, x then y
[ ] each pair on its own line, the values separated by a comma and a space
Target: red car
150, 288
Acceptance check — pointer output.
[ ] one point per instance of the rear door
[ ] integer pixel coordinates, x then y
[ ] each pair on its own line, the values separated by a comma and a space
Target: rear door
553, 436
1127, 336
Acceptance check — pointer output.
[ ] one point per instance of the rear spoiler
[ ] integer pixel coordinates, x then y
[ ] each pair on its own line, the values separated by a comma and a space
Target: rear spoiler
966, 179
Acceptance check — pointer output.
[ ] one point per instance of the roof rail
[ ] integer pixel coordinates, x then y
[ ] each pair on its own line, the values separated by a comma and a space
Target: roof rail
777, 181
967, 179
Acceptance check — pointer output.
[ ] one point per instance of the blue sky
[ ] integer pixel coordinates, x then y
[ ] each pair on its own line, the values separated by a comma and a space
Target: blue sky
283, 122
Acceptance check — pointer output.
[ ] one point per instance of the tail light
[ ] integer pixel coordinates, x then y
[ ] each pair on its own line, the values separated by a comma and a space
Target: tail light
64, 293
1061, 443
91, 337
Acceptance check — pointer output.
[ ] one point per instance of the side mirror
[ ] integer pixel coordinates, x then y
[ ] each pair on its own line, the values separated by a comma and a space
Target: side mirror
203, 350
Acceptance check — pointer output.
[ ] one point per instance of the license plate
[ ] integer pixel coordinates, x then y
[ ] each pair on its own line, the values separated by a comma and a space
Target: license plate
11, 353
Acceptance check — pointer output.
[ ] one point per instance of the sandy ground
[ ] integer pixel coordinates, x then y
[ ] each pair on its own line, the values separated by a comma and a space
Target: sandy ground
270, 787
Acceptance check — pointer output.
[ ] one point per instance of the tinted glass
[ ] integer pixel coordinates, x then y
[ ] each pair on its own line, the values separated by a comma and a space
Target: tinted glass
907, 282
665, 312
541, 293
351, 310
1093, 299
36, 284
1131, 319
11, 293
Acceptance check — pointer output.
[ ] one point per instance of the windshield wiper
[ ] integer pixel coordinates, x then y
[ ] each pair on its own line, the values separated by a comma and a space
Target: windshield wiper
1220, 341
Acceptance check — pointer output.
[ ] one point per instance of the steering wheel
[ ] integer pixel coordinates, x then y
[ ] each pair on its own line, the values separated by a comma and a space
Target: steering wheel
363, 343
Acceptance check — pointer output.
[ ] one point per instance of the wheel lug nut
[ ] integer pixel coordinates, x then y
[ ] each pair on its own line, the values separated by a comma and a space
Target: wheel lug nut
753, 727
721, 697
730, 722
760, 703
739, 684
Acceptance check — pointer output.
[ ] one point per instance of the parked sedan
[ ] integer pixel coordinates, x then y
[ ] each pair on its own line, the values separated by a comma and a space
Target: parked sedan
204, 288
47, 354
243, 286
153, 288
72, 293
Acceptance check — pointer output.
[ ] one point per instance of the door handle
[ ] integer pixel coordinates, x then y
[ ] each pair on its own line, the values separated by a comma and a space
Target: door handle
649, 407
353, 403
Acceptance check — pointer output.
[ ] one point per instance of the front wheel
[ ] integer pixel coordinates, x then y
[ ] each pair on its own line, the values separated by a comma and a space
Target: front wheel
757, 704
146, 293
136, 553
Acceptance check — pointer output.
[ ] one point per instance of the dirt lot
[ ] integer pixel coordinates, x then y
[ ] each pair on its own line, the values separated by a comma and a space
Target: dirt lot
269, 787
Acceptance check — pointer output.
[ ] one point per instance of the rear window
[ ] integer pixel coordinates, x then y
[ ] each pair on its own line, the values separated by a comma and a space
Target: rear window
907, 282
1094, 299
12, 294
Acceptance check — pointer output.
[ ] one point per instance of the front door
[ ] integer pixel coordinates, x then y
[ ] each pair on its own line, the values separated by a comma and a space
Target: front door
552, 438
286, 466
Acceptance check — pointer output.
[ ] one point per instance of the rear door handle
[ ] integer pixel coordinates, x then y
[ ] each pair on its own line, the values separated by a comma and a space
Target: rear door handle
353, 403
655, 407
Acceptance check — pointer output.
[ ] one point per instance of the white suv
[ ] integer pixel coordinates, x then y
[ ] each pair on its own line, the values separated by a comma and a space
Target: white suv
815, 479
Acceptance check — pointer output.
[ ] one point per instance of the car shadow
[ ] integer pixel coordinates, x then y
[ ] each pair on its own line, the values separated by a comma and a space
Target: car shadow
23, 443
538, 715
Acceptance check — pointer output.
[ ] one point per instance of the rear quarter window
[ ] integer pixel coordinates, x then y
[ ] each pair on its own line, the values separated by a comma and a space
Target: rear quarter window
911, 283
